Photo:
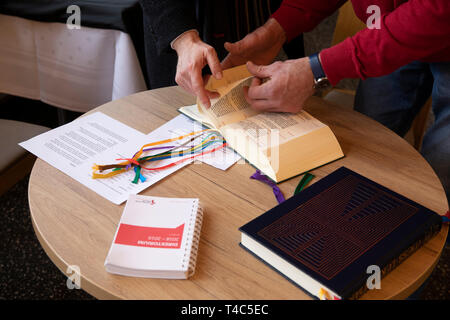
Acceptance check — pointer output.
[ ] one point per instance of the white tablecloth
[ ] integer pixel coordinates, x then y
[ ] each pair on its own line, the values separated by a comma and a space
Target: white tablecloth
73, 69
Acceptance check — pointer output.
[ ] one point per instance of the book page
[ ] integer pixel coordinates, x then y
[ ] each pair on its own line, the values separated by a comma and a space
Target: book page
229, 80
272, 128
231, 107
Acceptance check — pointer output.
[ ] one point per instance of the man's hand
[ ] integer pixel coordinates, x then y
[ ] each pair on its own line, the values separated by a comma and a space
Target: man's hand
261, 46
290, 84
193, 55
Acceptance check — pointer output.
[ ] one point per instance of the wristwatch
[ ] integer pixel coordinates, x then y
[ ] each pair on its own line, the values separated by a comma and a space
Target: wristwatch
321, 81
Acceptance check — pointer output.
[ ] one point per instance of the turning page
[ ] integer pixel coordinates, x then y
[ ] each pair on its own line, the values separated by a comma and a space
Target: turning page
231, 106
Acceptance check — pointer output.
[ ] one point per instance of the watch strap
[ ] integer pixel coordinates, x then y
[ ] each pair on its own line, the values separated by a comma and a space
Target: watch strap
316, 67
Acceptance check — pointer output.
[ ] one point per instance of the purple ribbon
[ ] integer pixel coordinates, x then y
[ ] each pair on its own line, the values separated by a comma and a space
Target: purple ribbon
276, 191
158, 148
149, 149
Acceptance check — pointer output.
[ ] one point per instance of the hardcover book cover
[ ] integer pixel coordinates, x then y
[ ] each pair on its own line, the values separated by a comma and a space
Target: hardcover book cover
334, 230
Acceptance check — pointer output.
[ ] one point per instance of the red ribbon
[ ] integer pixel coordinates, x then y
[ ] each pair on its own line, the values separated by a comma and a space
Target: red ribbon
184, 159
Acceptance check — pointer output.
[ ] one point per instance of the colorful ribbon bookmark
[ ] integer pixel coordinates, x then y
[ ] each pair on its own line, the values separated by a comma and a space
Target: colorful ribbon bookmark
276, 190
136, 162
263, 178
302, 184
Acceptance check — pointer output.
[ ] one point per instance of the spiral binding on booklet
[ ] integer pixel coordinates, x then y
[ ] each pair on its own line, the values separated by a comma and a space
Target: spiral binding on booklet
194, 229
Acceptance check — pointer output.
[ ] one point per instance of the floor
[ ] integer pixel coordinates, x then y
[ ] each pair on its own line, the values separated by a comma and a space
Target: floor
25, 270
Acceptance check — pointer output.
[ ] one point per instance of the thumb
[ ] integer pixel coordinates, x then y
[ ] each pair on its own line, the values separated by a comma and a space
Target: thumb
259, 71
230, 47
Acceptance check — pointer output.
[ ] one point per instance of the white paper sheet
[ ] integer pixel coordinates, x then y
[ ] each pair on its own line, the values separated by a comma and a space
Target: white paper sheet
98, 139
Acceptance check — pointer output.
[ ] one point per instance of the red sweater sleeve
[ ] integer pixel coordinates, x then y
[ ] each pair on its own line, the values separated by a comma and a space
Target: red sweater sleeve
298, 16
416, 30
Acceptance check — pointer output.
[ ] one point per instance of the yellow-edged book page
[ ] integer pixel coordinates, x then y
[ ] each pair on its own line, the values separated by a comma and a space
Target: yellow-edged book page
283, 145
231, 106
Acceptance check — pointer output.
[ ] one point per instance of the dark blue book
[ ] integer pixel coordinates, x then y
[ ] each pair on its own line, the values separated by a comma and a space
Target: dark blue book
326, 237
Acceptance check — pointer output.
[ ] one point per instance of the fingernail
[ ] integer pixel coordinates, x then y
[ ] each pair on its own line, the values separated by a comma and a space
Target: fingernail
219, 75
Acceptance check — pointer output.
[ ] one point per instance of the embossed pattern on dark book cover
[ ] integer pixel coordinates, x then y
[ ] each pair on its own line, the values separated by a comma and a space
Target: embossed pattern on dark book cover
334, 228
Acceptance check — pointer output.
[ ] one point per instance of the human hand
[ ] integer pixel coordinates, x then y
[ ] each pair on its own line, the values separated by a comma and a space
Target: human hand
290, 84
193, 56
261, 46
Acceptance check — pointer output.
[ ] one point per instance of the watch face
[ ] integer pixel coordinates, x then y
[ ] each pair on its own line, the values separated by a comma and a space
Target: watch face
322, 83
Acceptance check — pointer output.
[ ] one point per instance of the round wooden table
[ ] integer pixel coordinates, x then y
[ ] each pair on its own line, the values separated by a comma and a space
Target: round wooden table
76, 226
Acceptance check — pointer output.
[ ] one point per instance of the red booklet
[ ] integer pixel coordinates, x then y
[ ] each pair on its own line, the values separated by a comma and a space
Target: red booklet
156, 238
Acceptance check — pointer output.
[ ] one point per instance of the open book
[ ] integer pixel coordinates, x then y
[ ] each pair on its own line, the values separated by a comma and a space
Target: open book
281, 145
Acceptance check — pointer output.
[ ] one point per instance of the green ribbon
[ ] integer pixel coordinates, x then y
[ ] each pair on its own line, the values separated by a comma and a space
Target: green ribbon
302, 184
137, 169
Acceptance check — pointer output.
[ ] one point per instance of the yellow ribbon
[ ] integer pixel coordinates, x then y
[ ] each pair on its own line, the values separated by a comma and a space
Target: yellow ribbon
138, 154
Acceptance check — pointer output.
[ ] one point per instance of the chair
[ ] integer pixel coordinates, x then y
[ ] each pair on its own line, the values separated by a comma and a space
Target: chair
15, 162
346, 26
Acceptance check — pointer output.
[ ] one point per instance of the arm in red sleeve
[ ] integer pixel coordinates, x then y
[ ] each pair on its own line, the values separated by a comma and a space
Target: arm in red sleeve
298, 16
416, 30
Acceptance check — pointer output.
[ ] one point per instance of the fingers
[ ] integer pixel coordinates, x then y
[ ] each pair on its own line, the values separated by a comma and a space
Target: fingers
199, 89
234, 48
259, 96
228, 46
256, 82
234, 57
213, 63
257, 103
259, 90
196, 85
189, 72
212, 94
259, 70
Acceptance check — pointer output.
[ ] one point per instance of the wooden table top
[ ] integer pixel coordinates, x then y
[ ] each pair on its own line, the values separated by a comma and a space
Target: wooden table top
76, 226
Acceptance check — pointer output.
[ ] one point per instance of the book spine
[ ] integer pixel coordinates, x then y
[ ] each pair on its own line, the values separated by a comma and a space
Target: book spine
432, 231
195, 234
